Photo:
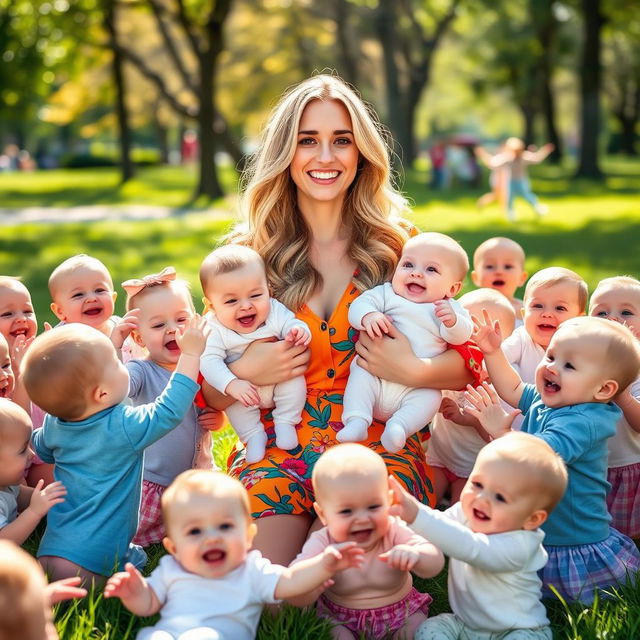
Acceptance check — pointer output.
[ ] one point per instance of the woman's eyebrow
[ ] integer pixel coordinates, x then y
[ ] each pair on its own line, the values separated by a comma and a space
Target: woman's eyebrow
315, 133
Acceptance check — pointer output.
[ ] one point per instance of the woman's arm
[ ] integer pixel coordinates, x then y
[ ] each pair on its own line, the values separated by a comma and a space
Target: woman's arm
391, 358
263, 363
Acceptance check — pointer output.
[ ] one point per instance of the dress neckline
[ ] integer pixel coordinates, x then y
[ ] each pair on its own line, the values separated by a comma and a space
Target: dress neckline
308, 310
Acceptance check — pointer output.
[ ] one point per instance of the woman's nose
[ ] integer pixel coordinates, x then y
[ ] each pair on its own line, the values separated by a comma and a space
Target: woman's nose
325, 152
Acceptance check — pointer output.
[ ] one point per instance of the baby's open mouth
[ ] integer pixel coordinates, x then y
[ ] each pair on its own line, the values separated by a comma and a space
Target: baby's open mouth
96, 311
247, 321
362, 535
480, 515
415, 288
550, 386
18, 332
498, 283
214, 556
172, 345
546, 327
3, 391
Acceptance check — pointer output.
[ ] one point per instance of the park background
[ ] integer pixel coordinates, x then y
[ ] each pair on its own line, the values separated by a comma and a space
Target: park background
97, 99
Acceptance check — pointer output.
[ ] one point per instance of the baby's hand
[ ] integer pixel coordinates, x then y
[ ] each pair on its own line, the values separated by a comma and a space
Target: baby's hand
450, 410
126, 325
338, 557
484, 405
486, 333
445, 313
376, 324
43, 499
210, 419
18, 349
404, 504
402, 557
243, 391
299, 336
125, 584
66, 589
193, 338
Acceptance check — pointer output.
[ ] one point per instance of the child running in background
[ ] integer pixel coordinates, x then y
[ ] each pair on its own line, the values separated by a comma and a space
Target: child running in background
353, 500
419, 302
241, 311
21, 507
456, 436
551, 297
494, 542
588, 363
26, 598
212, 586
163, 308
517, 158
97, 443
18, 325
618, 299
498, 263
498, 179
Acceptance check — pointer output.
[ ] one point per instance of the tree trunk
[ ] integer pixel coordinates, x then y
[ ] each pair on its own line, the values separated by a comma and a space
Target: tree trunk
385, 21
127, 168
348, 66
590, 73
628, 134
529, 116
162, 137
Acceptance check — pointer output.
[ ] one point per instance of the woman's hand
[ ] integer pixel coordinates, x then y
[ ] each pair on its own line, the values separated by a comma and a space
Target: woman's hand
389, 357
268, 362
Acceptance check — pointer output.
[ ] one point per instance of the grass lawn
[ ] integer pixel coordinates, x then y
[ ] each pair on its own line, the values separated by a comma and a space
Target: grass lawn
592, 228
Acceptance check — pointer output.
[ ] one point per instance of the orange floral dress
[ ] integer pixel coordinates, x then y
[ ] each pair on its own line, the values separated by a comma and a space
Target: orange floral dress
281, 482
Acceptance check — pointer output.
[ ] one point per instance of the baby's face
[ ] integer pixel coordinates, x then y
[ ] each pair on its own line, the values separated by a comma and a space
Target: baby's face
619, 304
209, 535
356, 508
240, 298
426, 273
164, 312
7, 379
17, 317
573, 369
501, 269
85, 296
546, 308
15, 451
497, 498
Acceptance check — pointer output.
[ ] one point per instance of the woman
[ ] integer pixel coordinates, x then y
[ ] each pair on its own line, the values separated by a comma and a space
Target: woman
324, 216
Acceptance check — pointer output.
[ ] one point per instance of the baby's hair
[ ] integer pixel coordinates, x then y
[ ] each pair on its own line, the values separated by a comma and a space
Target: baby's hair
226, 259
544, 469
62, 366
70, 265
12, 418
621, 356
617, 282
514, 144
212, 484
10, 281
342, 460
177, 286
494, 243
495, 303
460, 255
22, 594
558, 275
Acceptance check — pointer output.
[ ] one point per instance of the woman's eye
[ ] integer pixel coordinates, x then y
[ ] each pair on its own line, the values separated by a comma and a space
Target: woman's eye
343, 141
306, 141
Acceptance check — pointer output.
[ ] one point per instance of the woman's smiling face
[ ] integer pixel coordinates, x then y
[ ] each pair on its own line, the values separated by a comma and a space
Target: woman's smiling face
326, 158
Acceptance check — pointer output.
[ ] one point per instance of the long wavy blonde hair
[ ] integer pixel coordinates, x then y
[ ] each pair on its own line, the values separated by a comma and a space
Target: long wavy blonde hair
371, 211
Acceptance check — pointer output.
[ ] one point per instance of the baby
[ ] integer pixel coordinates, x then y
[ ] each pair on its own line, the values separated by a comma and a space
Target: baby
240, 311
211, 586
164, 307
15, 453
551, 297
498, 263
493, 539
97, 442
618, 299
17, 318
419, 301
456, 436
588, 363
82, 291
26, 598
353, 500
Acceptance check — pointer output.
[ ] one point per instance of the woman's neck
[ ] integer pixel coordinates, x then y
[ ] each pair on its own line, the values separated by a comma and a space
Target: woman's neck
324, 220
